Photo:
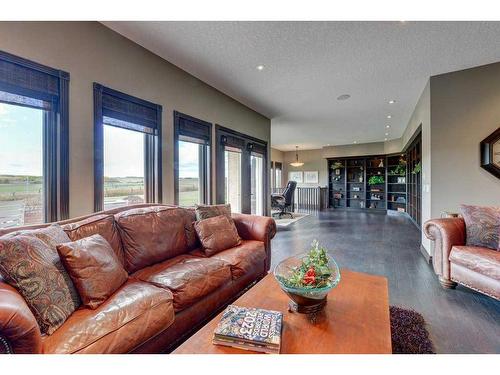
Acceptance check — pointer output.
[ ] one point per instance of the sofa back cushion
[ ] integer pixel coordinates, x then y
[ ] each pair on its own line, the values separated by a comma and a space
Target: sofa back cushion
102, 224
93, 267
30, 263
482, 226
152, 234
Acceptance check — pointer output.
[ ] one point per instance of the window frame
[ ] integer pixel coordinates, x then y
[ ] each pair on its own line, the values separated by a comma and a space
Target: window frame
55, 128
207, 170
152, 147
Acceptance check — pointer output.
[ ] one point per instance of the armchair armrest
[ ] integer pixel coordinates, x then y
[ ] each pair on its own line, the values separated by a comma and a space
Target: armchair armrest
19, 331
259, 228
445, 233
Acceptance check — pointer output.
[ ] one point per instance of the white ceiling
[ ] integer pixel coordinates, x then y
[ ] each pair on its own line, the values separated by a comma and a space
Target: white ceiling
309, 64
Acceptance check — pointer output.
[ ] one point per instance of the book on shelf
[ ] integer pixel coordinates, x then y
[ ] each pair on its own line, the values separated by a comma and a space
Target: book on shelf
250, 329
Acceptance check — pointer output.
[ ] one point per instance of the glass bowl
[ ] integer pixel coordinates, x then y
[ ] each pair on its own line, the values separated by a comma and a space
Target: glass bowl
306, 299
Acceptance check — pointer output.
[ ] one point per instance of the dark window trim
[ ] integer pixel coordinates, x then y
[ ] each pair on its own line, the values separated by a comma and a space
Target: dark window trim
247, 144
152, 145
207, 179
56, 136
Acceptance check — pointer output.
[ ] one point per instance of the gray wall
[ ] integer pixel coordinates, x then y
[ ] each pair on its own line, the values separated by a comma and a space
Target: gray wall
465, 109
90, 52
313, 161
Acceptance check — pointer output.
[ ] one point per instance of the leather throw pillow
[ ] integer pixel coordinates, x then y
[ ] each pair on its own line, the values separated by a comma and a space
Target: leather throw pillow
30, 263
205, 212
482, 226
94, 268
217, 234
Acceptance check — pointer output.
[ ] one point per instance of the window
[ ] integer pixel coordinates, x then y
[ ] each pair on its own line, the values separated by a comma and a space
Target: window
232, 181
127, 154
277, 175
33, 142
191, 160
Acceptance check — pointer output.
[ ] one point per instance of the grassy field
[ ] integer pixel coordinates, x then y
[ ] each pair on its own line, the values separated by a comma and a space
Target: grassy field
23, 187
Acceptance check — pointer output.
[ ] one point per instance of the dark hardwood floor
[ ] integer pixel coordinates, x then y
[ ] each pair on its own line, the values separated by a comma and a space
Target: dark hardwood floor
459, 321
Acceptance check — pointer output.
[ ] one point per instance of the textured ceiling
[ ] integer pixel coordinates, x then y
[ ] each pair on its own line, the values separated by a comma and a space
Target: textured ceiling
309, 64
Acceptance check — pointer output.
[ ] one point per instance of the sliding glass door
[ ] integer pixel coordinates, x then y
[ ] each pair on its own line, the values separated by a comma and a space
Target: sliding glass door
242, 172
232, 177
257, 184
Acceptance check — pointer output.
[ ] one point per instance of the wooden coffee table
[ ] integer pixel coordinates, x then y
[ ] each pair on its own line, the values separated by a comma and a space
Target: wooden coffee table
355, 319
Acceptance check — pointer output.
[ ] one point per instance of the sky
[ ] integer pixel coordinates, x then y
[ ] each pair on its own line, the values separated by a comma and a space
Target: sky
21, 147
20, 140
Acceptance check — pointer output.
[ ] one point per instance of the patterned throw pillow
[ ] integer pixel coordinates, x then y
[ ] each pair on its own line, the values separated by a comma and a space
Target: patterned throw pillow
206, 212
30, 263
482, 225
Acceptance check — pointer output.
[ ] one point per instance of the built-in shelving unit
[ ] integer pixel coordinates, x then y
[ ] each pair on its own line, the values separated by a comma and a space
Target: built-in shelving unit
414, 184
384, 183
396, 182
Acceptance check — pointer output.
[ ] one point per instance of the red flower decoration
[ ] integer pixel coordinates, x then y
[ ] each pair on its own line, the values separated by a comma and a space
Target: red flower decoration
310, 276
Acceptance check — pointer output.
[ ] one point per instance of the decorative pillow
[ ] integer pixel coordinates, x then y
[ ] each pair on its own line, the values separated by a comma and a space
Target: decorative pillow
205, 212
35, 270
217, 234
94, 268
482, 226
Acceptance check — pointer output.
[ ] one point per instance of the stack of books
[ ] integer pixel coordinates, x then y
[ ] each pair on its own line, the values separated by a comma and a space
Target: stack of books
250, 329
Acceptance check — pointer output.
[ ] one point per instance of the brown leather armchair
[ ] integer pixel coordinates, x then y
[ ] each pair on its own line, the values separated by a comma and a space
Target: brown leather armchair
171, 289
475, 267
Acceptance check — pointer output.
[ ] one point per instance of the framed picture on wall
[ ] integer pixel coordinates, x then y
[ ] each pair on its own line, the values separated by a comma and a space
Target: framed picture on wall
311, 177
295, 176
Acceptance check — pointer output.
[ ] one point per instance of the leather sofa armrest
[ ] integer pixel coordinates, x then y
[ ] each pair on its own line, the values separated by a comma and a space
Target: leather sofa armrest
259, 228
445, 233
19, 331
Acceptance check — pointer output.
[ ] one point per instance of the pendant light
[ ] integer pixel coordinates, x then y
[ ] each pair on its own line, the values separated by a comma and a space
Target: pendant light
297, 163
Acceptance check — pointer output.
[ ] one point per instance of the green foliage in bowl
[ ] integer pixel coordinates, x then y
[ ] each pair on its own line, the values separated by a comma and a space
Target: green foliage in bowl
313, 272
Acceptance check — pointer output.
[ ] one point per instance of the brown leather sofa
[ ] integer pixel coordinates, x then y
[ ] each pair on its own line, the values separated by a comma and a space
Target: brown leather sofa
475, 267
164, 300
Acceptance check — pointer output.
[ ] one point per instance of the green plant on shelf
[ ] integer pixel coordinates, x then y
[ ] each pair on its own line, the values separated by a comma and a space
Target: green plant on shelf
376, 180
400, 168
417, 168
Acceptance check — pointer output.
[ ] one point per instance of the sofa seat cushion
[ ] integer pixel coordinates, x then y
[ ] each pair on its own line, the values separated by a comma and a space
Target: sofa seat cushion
135, 313
244, 258
189, 278
482, 260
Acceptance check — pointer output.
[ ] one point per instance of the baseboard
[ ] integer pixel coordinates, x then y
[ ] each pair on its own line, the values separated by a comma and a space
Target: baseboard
425, 254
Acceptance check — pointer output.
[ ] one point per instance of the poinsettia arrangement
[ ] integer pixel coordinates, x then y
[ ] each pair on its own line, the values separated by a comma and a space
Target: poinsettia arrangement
313, 272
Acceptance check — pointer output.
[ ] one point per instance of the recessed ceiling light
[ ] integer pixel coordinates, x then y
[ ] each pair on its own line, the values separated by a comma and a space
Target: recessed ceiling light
355, 142
387, 126
392, 101
260, 67
386, 133
389, 116
343, 97
328, 144
385, 139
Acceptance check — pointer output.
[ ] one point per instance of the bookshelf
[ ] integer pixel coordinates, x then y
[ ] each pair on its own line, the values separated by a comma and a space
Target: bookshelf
397, 188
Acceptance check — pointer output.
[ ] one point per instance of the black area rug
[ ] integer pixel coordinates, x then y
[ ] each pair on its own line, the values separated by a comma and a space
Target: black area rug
408, 332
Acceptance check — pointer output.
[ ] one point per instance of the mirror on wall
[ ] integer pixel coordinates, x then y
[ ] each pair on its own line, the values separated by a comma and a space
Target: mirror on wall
490, 153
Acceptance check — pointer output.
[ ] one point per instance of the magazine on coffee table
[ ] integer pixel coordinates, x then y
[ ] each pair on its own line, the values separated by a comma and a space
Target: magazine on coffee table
250, 329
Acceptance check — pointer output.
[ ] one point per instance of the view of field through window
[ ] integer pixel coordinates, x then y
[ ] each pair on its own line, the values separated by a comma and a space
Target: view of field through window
189, 173
123, 167
21, 165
